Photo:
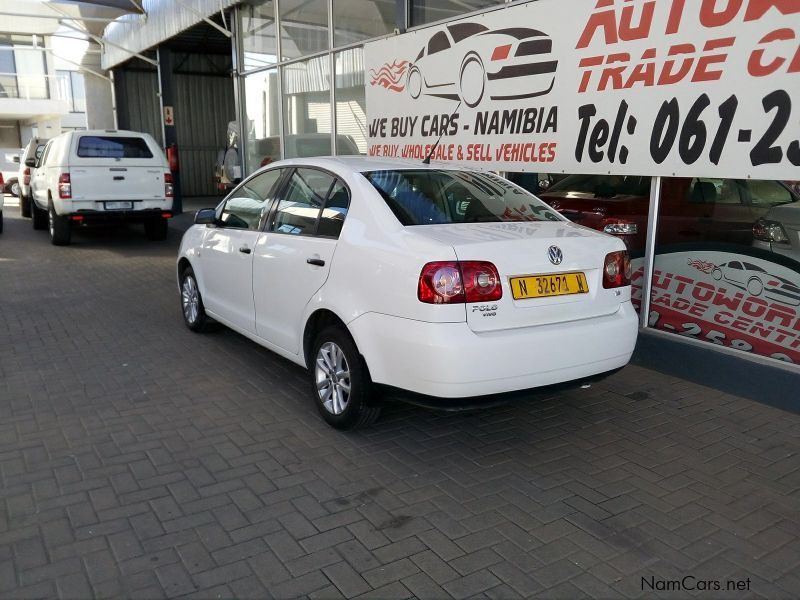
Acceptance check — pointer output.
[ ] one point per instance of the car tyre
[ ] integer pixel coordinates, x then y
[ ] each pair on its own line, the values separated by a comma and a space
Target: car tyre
340, 381
59, 226
156, 229
755, 286
13, 188
414, 82
192, 308
25, 206
472, 80
39, 217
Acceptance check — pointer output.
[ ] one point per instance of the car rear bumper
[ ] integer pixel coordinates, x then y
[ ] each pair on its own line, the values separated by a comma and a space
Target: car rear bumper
449, 360
118, 216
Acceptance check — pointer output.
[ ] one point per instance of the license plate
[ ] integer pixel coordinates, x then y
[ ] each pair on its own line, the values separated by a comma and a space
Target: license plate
556, 284
119, 205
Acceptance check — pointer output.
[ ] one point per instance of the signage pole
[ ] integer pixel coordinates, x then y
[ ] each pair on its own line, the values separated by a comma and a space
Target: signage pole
650, 249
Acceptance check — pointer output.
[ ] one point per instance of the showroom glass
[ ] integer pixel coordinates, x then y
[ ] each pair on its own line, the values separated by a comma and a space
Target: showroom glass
245, 207
429, 197
430, 11
358, 20
262, 103
258, 35
351, 111
22, 69
300, 203
721, 272
307, 107
304, 27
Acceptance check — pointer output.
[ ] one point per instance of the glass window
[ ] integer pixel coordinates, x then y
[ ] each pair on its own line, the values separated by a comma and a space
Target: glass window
307, 112
332, 218
357, 20
727, 265
304, 27
427, 197
351, 106
31, 72
263, 133
248, 203
64, 87
258, 35
8, 73
95, 146
78, 92
300, 204
429, 11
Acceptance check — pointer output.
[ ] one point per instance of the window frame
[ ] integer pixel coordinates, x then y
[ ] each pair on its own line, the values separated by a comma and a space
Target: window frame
270, 220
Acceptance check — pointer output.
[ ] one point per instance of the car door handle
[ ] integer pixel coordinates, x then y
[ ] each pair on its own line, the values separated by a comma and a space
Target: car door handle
245, 250
318, 262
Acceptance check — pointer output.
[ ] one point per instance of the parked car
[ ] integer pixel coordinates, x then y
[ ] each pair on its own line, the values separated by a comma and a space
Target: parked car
691, 209
779, 230
28, 159
440, 281
513, 63
9, 165
101, 176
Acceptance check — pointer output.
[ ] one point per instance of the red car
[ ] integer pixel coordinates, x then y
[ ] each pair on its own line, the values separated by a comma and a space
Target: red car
692, 209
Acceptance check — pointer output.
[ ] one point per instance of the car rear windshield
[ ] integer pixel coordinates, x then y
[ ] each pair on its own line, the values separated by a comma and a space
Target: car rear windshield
430, 197
95, 146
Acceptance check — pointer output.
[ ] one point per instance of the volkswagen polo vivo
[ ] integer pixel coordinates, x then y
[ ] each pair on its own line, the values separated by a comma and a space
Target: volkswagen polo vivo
438, 281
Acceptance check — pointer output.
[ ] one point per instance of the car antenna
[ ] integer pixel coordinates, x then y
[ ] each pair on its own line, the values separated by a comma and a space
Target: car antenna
427, 160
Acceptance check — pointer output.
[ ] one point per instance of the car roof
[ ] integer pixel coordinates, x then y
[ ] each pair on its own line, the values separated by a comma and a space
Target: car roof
362, 164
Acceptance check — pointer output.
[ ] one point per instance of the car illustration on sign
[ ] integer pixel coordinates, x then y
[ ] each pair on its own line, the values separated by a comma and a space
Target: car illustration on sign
469, 62
757, 281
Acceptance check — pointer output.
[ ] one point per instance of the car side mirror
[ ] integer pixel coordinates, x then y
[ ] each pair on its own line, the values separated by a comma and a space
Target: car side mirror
205, 216
30, 162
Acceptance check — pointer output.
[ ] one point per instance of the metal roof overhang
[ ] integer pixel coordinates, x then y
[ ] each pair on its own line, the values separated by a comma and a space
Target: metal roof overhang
44, 17
163, 19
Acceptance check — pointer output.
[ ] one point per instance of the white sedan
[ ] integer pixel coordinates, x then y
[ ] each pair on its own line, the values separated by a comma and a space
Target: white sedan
441, 282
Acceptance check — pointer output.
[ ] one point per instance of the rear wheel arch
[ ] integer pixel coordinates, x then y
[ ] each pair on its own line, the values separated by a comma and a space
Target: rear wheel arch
317, 322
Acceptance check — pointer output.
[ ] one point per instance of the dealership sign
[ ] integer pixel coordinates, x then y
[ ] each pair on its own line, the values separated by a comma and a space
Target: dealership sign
654, 87
731, 299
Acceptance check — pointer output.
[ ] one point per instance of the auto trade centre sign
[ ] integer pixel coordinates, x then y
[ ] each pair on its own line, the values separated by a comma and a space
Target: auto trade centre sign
654, 87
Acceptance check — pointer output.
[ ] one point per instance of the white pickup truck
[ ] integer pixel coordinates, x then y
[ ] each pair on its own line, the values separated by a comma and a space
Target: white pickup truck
101, 176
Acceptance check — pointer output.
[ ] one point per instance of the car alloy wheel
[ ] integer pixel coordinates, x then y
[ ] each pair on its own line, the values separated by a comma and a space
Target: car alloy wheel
190, 299
15, 189
333, 378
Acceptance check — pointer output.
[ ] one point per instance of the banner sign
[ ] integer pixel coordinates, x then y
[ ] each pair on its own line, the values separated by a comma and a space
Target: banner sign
639, 87
729, 299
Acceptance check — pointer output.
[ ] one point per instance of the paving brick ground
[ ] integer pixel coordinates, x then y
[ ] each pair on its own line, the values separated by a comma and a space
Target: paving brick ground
141, 460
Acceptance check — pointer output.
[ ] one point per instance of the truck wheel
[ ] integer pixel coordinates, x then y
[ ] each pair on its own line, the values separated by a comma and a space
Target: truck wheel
39, 216
25, 206
60, 228
340, 381
156, 229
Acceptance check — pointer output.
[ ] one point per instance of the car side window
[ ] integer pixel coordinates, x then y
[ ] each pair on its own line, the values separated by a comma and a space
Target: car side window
301, 202
41, 159
768, 193
334, 212
714, 191
438, 43
247, 204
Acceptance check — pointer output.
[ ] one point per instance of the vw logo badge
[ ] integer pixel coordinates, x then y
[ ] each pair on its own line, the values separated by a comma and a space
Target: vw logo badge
555, 255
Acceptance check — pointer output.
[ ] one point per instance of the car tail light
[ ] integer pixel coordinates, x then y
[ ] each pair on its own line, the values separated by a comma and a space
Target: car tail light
26, 176
1, 179
620, 227
64, 187
769, 231
501, 52
617, 270
169, 187
454, 282
265, 161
